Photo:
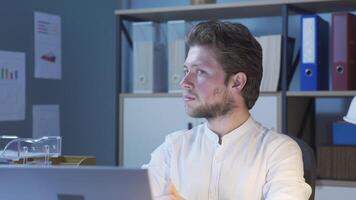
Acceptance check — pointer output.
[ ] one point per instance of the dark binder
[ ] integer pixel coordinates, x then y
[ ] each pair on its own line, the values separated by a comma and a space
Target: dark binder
343, 51
314, 70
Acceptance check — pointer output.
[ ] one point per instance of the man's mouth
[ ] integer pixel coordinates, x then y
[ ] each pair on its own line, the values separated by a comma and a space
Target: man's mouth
188, 97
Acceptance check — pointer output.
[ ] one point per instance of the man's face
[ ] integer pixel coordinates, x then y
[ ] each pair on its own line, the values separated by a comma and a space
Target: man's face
205, 93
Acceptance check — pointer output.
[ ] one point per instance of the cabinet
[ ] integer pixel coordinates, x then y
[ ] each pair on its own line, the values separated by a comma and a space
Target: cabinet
297, 109
148, 118
144, 127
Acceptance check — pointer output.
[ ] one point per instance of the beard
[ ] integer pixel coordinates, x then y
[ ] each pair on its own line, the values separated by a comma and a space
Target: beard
212, 110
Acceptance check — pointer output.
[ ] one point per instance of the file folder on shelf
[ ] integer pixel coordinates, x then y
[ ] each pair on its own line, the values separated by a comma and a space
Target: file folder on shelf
343, 51
149, 71
177, 50
314, 70
272, 61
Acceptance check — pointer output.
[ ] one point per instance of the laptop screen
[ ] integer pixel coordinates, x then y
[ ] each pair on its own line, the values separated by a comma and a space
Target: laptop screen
67, 183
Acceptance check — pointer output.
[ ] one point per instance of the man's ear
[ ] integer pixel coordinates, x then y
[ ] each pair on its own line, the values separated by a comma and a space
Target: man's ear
239, 81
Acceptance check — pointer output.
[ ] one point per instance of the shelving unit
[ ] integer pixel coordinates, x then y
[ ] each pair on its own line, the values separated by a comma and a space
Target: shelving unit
283, 8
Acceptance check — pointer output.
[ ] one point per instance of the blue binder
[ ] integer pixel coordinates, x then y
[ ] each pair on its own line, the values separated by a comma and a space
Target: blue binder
314, 69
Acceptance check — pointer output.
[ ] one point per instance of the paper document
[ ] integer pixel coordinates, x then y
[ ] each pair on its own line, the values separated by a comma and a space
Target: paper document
12, 86
48, 55
45, 121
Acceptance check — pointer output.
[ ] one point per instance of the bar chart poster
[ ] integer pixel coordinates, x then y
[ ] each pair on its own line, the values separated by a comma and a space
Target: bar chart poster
48, 55
12, 86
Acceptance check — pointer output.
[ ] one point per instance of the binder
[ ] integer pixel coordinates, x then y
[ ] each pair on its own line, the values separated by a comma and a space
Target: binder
343, 51
271, 61
177, 50
272, 49
314, 70
149, 71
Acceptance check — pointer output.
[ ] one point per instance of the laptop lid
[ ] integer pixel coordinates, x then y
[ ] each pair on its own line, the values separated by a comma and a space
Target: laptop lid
67, 183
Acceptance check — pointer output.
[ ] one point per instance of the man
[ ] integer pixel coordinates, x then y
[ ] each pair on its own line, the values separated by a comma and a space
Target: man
231, 156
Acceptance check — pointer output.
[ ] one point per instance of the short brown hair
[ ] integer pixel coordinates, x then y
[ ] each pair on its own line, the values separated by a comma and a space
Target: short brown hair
237, 51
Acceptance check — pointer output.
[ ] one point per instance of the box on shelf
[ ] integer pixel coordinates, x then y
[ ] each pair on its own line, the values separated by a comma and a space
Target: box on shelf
337, 162
344, 133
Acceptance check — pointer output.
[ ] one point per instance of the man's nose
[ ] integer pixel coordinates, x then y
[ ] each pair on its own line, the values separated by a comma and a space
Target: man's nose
186, 82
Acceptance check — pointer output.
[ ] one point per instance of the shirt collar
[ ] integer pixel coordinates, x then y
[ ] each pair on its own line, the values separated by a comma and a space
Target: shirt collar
232, 135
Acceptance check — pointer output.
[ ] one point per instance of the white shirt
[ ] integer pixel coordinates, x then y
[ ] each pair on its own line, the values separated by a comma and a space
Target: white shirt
252, 163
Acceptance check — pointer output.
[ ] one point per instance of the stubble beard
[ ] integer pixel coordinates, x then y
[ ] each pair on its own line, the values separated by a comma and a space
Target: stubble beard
213, 110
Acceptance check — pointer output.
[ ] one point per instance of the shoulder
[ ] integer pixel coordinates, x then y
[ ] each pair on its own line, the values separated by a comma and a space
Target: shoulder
279, 140
274, 142
182, 135
175, 140
274, 137
271, 138
281, 147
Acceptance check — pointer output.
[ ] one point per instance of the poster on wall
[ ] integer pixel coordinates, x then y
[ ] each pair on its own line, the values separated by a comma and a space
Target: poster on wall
12, 86
48, 50
45, 121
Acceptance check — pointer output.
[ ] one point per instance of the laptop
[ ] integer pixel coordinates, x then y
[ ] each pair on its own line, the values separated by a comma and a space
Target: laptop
68, 183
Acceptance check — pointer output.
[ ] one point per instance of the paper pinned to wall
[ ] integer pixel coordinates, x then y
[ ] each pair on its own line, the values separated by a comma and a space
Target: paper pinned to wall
45, 120
48, 51
12, 86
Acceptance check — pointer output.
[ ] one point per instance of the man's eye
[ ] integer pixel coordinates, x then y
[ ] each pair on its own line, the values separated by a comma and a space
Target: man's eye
200, 72
185, 71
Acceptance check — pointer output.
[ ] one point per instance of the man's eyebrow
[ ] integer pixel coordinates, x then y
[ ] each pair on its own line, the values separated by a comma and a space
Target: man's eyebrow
192, 66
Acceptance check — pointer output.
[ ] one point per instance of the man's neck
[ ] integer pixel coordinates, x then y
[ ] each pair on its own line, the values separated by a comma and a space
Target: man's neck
223, 125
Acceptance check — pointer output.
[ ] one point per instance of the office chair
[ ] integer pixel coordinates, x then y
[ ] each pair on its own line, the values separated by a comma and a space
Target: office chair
309, 164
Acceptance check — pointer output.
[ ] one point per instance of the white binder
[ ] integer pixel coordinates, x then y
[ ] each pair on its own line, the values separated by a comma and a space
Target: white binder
148, 59
271, 61
177, 50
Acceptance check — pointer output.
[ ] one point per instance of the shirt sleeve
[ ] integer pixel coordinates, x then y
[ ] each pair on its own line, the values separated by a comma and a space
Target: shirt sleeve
158, 169
285, 179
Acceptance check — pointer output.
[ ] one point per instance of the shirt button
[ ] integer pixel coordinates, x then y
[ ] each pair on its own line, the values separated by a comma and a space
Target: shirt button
217, 160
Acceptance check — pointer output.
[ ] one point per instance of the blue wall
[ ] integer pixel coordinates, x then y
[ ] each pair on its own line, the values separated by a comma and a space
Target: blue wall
86, 93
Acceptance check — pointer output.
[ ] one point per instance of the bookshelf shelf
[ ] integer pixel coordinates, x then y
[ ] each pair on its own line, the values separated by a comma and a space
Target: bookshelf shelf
336, 183
233, 10
321, 93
